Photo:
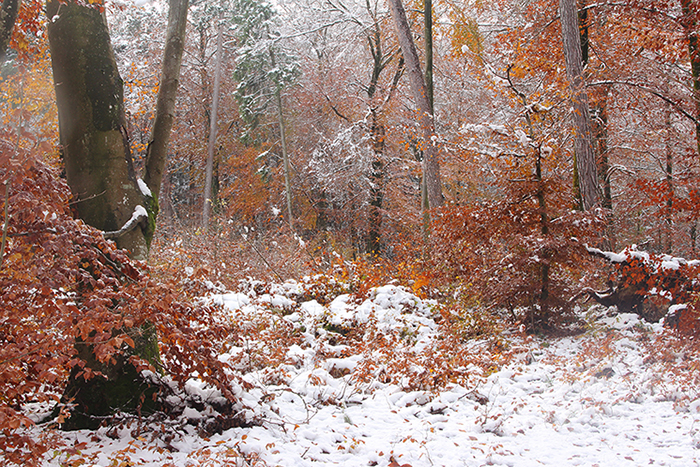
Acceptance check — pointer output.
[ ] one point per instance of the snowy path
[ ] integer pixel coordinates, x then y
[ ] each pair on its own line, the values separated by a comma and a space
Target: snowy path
598, 399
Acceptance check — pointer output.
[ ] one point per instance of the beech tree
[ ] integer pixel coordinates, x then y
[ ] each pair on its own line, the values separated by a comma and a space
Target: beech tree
583, 136
431, 163
100, 172
92, 125
8, 14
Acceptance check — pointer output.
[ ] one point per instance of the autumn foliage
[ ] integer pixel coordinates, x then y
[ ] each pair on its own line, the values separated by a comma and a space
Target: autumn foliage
61, 283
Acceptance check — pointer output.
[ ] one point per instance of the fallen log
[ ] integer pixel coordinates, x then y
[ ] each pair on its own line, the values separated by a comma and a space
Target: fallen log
645, 283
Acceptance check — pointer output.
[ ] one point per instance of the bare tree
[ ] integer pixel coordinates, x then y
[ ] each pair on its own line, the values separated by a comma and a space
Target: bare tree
431, 163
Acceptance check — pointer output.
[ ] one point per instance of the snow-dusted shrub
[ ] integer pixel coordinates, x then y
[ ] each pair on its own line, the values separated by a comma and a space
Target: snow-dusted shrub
510, 258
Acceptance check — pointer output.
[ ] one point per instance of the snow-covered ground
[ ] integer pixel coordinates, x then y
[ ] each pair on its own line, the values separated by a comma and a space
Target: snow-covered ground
603, 398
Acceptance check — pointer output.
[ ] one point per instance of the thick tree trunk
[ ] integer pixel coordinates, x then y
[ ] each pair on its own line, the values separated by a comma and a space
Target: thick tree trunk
431, 163
167, 95
691, 24
100, 173
95, 145
8, 15
583, 141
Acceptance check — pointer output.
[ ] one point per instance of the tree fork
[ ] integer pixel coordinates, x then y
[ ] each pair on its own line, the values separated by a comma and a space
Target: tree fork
431, 163
92, 123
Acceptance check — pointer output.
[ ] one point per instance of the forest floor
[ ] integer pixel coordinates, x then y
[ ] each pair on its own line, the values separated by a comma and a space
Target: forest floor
372, 381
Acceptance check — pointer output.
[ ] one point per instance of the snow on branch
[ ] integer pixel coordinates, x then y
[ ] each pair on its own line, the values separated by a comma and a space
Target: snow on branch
137, 216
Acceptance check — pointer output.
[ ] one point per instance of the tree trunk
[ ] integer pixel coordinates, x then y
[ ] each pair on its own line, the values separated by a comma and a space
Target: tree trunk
431, 163
95, 145
8, 15
690, 26
376, 192
285, 160
167, 94
583, 142
213, 128
100, 173
428, 25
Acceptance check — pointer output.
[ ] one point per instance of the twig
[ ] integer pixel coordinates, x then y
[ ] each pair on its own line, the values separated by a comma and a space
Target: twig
274, 271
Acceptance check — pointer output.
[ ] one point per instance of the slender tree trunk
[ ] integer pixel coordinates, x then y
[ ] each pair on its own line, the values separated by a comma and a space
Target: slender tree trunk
213, 130
583, 142
156, 157
8, 15
378, 136
431, 164
428, 20
668, 218
691, 24
285, 159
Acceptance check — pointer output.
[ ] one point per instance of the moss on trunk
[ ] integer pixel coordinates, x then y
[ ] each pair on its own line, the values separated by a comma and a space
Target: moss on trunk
90, 99
119, 388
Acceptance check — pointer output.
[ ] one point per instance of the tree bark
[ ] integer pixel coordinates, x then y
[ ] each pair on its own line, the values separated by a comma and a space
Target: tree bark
167, 94
428, 26
100, 173
285, 159
583, 141
8, 15
213, 127
431, 163
95, 145
691, 25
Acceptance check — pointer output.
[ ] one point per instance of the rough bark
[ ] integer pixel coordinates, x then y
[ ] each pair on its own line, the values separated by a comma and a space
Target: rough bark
431, 164
691, 25
8, 15
167, 94
95, 145
583, 140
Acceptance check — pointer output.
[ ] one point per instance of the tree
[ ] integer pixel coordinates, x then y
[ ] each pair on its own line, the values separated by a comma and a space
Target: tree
263, 70
95, 143
100, 172
214, 122
691, 27
92, 125
583, 136
431, 163
8, 14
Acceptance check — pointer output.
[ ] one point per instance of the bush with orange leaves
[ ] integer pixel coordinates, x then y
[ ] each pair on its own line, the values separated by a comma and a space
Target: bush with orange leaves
507, 257
62, 282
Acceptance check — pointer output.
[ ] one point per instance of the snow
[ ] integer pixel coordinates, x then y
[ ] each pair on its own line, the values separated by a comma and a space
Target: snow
144, 188
592, 399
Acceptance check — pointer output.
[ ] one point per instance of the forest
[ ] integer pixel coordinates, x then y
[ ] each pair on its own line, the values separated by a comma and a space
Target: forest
316, 232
